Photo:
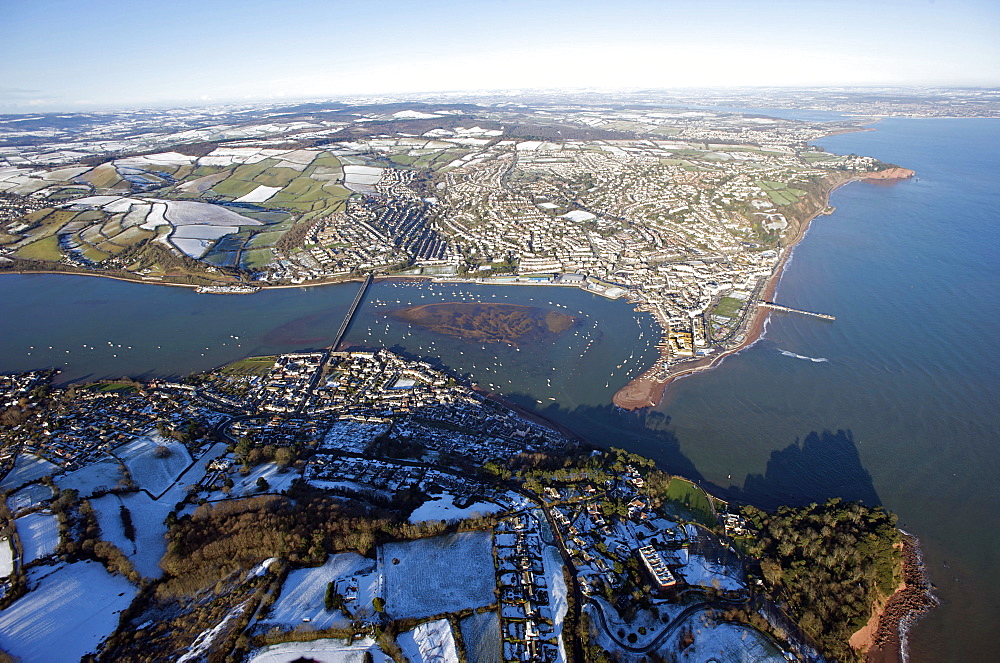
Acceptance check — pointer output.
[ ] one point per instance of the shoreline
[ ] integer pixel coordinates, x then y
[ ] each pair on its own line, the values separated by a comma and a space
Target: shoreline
646, 391
885, 638
174, 284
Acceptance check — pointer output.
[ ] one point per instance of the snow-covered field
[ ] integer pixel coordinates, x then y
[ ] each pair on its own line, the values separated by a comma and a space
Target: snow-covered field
304, 592
327, 650
443, 508
259, 195
187, 212
195, 248
729, 642
701, 572
27, 468
89, 479
430, 642
39, 535
557, 594
195, 231
29, 496
481, 635
6, 557
438, 575
67, 613
147, 518
152, 473
270, 472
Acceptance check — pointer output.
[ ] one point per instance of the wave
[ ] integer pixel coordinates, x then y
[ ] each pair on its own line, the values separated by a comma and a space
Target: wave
797, 356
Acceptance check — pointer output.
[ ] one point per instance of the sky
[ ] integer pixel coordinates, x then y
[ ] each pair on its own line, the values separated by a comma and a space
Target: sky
58, 55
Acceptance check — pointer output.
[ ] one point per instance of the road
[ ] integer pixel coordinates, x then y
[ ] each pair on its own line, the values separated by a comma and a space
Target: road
668, 630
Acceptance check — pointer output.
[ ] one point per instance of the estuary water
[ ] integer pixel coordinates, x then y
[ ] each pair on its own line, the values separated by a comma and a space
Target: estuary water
894, 403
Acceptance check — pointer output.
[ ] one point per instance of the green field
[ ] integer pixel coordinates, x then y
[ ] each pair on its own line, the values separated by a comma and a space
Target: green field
234, 187
403, 159
256, 258
113, 386
93, 254
261, 240
46, 248
249, 366
278, 176
728, 307
692, 498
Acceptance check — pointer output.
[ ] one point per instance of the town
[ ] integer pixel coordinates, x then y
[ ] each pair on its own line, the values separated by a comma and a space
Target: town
687, 213
558, 556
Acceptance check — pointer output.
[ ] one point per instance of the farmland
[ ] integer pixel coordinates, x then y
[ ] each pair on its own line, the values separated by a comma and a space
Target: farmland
438, 575
147, 516
39, 535
80, 603
328, 650
430, 642
154, 462
302, 600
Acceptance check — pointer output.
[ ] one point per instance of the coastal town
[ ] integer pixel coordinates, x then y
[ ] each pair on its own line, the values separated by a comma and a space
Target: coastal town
512, 547
354, 502
689, 214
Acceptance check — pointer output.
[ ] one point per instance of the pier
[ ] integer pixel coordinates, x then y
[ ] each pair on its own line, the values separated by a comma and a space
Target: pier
789, 309
351, 311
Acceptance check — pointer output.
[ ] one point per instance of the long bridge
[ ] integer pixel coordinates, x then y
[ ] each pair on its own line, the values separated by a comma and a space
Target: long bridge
789, 309
351, 311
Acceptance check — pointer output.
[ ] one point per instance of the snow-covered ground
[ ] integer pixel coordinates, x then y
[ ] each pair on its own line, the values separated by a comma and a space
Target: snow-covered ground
430, 642
352, 435
202, 645
481, 635
70, 609
665, 613
148, 471
39, 535
29, 496
438, 575
277, 480
148, 517
701, 572
6, 557
728, 642
557, 594
443, 508
89, 479
304, 592
326, 650
259, 195
27, 468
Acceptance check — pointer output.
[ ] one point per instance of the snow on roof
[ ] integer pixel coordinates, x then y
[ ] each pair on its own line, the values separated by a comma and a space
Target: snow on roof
578, 215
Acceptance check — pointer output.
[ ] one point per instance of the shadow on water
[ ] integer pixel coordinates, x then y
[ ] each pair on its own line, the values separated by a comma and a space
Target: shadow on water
646, 432
821, 466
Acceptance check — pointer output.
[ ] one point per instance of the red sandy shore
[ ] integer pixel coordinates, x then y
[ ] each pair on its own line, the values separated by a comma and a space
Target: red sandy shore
884, 638
646, 391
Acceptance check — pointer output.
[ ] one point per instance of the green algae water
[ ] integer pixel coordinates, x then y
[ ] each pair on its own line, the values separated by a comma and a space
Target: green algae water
893, 404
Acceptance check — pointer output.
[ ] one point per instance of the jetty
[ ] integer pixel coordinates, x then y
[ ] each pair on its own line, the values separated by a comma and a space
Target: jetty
351, 311
789, 309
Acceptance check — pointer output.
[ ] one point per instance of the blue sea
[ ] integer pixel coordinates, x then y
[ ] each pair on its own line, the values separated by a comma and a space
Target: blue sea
895, 403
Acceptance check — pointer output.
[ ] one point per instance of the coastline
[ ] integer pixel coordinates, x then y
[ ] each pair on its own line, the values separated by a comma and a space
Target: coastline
884, 638
647, 391
174, 284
